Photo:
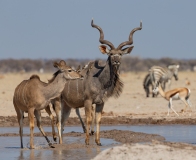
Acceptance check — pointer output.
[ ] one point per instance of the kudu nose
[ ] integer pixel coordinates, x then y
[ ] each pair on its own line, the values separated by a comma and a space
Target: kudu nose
116, 61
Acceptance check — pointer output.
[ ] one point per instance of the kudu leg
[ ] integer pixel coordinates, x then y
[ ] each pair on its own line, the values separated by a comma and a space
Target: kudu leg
81, 121
38, 118
47, 109
20, 122
99, 108
58, 110
87, 105
66, 110
31, 125
92, 123
93, 120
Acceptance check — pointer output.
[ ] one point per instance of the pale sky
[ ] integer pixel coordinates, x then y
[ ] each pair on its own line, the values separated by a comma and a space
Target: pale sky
62, 29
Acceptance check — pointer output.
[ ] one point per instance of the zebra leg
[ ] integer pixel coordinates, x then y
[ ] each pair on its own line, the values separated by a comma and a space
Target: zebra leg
147, 91
163, 85
153, 87
169, 83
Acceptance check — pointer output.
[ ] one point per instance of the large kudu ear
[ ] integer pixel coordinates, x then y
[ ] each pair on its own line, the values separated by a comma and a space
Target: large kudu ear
127, 50
61, 65
104, 49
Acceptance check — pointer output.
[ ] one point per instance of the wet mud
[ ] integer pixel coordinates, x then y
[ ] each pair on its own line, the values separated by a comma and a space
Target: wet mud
11, 121
117, 135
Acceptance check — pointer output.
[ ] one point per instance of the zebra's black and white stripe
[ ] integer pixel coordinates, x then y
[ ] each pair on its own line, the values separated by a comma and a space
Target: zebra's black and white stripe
161, 75
147, 83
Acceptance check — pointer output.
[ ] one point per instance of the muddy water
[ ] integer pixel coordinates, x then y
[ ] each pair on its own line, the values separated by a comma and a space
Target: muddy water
10, 146
172, 133
9, 149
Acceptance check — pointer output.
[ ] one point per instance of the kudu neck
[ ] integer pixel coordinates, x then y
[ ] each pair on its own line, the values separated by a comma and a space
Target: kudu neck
54, 88
108, 73
110, 80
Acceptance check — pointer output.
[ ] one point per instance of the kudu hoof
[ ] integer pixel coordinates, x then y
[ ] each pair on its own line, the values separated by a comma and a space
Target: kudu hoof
32, 147
92, 133
55, 139
84, 130
99, 144
87, 142
51, 145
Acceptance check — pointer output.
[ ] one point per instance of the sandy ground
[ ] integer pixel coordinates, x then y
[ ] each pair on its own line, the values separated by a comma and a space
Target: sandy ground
132, 101
131, 108
153, 151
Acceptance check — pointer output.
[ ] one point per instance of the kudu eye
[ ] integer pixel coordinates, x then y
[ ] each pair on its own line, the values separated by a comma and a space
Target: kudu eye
69, 70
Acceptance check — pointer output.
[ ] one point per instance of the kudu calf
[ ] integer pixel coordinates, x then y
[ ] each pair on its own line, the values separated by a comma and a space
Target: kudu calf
100, 82
33, 95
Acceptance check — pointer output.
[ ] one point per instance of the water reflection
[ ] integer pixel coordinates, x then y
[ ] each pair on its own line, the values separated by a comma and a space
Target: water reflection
87, 153
10, 146
8, 149
25, 157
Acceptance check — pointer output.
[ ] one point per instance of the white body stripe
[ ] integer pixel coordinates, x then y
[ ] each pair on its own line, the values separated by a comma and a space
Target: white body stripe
176, 97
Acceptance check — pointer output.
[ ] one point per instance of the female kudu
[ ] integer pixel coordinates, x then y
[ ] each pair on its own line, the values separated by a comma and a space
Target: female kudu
34, 95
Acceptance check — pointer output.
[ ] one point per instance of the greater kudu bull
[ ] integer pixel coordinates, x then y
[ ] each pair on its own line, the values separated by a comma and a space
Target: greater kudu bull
100, 82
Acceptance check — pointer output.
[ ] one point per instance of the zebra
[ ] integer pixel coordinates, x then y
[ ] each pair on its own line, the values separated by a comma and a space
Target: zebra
159, 74
147, 83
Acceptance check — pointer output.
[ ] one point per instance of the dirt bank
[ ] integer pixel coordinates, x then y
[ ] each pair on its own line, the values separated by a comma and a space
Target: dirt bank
10, 121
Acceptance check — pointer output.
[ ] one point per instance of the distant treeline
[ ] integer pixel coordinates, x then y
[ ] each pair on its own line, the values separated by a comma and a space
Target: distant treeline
129, 63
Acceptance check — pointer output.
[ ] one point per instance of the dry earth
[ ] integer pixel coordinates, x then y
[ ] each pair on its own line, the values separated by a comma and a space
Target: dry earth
131, 104
153, 151
131, 108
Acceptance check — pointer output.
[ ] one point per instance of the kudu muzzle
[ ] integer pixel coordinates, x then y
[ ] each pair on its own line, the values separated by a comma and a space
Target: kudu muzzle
116, 59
